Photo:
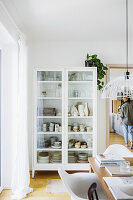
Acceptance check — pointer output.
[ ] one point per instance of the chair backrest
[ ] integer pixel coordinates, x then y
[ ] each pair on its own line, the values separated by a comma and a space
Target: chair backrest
68, 182
92, 191
119, 150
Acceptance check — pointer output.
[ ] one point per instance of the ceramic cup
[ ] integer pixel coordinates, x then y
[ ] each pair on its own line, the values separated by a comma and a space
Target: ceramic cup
56, 127
77, 146
88, 128
51, 128
69, 128
75, 129
57, 144
44, 125
125, 166
81, 127
84, 146
44, 129
70, 144
51, 124
60, 128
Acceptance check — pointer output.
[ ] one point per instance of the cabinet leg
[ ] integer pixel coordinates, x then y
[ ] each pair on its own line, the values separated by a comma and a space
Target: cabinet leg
33, 173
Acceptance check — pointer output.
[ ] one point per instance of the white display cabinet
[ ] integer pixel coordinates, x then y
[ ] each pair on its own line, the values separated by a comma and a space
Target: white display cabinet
65, 124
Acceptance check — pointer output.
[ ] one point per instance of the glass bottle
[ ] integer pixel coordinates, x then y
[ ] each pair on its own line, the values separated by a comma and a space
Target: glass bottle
58, 90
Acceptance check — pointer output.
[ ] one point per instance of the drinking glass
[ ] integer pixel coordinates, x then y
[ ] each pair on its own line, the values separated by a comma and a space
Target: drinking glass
125, 166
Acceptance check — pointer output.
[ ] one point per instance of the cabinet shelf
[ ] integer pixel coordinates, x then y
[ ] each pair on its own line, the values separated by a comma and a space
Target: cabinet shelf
78, 82
79, 117
80, 133
49, 117
81, 98
49, 81
49, 133
80, 149
48, 149
50, 98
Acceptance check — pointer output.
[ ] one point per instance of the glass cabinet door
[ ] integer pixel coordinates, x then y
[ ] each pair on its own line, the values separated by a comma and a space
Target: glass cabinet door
80, 116
49, 117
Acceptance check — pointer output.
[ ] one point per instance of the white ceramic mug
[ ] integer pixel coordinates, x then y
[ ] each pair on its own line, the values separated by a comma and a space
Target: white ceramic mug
60, 128
56, 127
88, 128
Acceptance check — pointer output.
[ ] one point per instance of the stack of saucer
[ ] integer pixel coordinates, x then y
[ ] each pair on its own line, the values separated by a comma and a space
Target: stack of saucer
71, 157
56, 157
82, 158
43, 157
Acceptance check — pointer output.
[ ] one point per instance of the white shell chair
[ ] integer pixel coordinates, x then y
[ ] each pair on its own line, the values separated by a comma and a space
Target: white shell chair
77, 184
119, 150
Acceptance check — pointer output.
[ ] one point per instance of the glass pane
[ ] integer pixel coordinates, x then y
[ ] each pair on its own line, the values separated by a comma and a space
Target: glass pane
49, 125
77, 141
78, 108
49, 107
46, 157
79, 156
49, 141
49, 76
49, 117
80, 125
80, 116
80, 76
44, 89
84, 90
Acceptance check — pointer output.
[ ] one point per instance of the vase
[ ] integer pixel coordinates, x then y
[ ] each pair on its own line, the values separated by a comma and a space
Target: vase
74, 111
81, 110
86, 109
87, 63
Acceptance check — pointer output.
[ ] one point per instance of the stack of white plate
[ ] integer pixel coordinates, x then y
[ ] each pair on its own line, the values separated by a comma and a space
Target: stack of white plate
43, 157
71, 157
83, 158
56, 157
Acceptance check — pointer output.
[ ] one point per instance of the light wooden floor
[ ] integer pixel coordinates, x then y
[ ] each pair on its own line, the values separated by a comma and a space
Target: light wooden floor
39, 185
117, 139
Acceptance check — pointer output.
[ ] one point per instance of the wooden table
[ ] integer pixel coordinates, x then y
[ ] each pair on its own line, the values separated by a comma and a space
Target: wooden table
101, 172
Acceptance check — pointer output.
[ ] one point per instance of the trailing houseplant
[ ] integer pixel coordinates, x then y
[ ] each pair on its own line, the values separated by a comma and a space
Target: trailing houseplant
94, 61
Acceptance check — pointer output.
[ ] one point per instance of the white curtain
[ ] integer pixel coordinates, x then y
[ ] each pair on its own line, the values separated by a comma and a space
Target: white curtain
21, 176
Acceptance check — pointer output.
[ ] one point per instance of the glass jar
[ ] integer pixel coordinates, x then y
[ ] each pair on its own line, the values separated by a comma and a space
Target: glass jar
75, 93
58, 90
125, 166
44, 93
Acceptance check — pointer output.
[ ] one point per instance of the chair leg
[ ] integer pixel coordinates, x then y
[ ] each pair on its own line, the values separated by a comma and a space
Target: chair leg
92, 198
96, 195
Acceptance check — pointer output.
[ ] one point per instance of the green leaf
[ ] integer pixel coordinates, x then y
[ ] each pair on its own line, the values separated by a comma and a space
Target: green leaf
87, 57
100, 87
98, 82
94, 56
105, 68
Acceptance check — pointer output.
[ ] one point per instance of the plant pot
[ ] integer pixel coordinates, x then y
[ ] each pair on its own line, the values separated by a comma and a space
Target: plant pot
87, 63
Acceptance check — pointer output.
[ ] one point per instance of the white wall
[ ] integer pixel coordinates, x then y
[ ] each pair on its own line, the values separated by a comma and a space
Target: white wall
72, 54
